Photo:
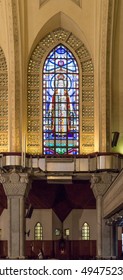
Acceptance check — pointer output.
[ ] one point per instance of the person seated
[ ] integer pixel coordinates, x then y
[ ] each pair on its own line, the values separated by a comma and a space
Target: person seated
40, 254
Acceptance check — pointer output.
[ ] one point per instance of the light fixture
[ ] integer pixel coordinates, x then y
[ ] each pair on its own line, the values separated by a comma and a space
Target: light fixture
59, 179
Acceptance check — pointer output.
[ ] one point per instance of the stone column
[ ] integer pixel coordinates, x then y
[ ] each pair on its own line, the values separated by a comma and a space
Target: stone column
16, 187
99, 184
99, 225
114, 240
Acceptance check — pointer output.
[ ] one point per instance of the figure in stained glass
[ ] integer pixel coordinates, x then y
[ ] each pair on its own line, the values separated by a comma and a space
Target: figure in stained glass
61, 103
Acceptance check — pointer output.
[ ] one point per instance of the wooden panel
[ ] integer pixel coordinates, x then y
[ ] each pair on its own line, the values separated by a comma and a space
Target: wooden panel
120, 248
81, 249
46, 245
76, 249
3, 248
62, 250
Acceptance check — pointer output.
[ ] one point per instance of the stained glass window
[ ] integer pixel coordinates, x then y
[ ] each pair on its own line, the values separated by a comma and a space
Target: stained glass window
85, 232
60, 103
38, 232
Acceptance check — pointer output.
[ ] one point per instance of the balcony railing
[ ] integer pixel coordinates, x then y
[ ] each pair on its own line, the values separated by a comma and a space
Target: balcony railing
80, 163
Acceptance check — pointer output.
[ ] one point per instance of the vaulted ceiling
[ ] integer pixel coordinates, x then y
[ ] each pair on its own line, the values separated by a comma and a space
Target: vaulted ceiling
62, 198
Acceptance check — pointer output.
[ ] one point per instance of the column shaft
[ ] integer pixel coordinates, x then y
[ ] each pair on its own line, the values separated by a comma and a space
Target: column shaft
99, 226
22, 227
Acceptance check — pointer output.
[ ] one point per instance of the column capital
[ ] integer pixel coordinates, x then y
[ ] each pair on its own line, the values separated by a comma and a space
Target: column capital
14, 183
100, 183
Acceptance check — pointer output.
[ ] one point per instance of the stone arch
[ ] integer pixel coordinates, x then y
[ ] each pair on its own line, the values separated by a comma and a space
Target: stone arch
86, 95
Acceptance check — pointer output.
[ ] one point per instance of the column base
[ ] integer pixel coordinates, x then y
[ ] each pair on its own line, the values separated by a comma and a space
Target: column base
99, 257
16, 258
106, 257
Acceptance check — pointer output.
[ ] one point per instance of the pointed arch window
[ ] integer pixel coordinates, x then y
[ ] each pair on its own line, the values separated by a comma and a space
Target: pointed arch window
38, 231
60, 103
85, 231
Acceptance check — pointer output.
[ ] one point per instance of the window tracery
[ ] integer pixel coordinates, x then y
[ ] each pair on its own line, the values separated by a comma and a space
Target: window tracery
34, 94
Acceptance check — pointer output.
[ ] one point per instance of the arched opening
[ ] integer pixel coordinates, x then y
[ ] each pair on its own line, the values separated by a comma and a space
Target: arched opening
85, 79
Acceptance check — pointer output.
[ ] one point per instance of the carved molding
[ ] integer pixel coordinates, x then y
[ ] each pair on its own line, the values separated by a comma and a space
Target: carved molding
100, 183
15, 184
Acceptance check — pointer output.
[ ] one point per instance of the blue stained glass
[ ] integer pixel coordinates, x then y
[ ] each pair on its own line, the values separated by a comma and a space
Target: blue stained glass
60, 103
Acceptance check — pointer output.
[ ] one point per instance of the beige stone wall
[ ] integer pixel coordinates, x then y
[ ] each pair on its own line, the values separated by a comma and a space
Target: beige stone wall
64, 14
44, 216
117, 73
50, 222
24, 23
56, 224
77, 218
3, 27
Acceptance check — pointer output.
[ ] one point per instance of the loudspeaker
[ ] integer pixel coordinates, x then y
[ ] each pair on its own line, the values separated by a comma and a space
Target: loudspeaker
115, 138
29, 211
